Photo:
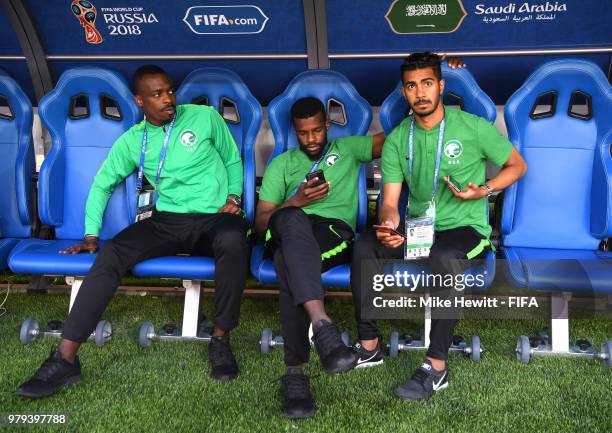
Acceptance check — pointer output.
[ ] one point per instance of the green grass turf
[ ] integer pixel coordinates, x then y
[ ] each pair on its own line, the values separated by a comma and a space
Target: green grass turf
166, 387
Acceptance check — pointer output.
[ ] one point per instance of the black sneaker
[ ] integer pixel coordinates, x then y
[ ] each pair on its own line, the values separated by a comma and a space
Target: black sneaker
368, 358
297, 399
423, 383
54, 374
223, 365
335, 357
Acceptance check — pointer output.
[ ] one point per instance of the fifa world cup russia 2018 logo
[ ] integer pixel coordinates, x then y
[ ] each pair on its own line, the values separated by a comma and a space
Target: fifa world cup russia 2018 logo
86, 13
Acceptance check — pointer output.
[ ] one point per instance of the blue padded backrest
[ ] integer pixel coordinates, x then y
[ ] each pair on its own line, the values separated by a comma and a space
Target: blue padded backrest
79, 147
324, 85
219, 87
16, 161
567, 186
459, 82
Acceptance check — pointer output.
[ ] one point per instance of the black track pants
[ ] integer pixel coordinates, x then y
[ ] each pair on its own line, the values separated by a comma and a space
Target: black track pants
447, 257
303, 246
223, 236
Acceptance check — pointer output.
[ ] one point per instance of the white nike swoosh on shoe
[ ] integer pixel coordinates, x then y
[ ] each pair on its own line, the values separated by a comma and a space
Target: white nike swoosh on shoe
360, 361
435, 386
369, 364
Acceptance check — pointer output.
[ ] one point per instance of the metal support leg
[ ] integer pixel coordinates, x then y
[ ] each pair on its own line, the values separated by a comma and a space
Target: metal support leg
427, 324
30, 329
192, 307
75, 283
559, 322
558, 342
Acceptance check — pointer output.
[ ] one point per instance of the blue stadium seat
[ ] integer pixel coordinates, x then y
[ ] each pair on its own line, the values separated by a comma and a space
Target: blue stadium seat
224, 90
86, 112
460, 89
17, 166
555, 218
354, 117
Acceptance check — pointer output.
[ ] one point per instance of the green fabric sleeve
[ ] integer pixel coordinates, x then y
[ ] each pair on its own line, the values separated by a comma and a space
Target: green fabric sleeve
493, 145
116, 167
390, 160
273, 186
228, 151
359, 146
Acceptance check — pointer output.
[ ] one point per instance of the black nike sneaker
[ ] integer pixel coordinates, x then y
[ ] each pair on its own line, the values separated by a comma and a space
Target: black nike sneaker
334, 355
423, 383
223, 365
368, 358
54, 374
297, 399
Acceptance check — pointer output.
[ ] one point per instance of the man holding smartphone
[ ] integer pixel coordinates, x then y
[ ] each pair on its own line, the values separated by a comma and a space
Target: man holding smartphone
426, 148
307, 210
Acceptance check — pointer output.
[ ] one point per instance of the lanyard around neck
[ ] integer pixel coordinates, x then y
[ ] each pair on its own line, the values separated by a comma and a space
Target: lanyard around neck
162, 156
315, 165
438, 154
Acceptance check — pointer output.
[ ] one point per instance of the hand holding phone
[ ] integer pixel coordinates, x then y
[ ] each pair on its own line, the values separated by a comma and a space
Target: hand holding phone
319, 175
311, 190
389, 230
389, 237
452, 182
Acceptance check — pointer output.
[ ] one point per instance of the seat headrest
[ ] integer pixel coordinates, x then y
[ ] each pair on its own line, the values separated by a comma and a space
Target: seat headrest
561, 91
229, 95
349, 113
89, 92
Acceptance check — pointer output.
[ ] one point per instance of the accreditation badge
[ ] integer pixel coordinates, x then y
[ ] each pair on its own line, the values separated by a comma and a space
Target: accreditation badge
146, 203
420, 224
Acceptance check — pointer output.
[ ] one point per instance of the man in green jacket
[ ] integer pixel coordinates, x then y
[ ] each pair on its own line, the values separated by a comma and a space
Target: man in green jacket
192, 163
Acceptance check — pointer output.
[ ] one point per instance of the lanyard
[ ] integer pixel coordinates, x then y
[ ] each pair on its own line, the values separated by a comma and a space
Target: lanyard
162, 156
438, 155
315, 166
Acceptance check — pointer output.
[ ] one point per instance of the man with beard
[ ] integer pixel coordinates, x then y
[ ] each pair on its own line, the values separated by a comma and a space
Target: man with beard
310, 228
435, 142
189, 157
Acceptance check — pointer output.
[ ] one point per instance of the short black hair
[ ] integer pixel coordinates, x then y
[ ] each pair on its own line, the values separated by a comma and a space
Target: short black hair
420, 61
142, 72
307, 107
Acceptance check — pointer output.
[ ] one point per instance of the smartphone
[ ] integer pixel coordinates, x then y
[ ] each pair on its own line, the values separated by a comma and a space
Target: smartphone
454, 184
319, 174
388, 230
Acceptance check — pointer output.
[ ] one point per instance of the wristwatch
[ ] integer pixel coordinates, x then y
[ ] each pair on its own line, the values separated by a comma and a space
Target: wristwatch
488, 188
235, 199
